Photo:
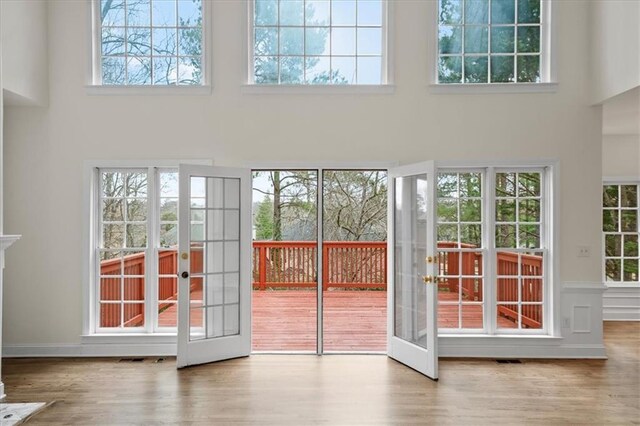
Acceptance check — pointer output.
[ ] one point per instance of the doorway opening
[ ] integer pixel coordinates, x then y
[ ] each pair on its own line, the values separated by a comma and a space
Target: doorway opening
319, 261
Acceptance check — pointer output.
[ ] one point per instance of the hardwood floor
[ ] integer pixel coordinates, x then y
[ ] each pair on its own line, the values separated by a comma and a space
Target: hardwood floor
336, 389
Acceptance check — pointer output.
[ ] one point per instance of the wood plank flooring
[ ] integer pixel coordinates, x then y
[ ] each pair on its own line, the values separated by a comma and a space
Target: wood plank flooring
335, 389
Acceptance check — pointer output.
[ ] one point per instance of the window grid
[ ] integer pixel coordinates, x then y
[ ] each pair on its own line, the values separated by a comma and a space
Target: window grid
329, 26
489, 54
521, 287
167, 282
620, 233
123, 58
462, 265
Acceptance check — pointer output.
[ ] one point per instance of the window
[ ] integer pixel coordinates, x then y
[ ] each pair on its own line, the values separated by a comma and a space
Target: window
620, 230
318, 42
491, 229
149, 42
136, 249
491, 41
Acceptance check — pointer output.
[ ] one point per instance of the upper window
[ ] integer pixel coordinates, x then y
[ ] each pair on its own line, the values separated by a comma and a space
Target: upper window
620, 227
318, 42
149, 42
490, 41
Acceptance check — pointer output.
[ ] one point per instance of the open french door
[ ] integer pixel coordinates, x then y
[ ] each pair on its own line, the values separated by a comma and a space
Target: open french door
412, 290
214, 293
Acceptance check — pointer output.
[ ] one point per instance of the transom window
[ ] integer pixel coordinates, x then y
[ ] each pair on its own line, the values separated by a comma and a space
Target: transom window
136, 249
318, 42
149, 42
620, 229
490, 41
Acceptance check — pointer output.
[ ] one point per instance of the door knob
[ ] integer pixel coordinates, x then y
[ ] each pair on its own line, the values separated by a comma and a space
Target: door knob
185, 274
427, 279
429, 259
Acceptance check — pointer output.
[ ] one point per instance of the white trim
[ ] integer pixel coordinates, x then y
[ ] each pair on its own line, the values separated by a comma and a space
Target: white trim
317, 89
108, 90
492, 88
621, 303
621, 180
327, 165
89, 350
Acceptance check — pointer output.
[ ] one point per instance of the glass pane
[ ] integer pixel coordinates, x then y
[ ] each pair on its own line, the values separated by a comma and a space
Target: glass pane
529, 210
529, 69
317, 12
531, 290
112, 236
470, 210
134, 263
613, 269
507, 263
410, 310
291, 41
190, 42
165, 41
317, 70
448, 314
502, 39
450, 69
630, 245
139, 13
476, 39
113, 41
506, 236
113, 71
505, 210
136, 210
190, 70
476, 11
136, 236
111, 289
316, 42
369, 70
629, 220
528, 11
447, 210
292, 12
529, 39
448, 233
138, 71
266, 12
266, 69
343, 41
502, 69
470, 184
451, 11
231, 319
529, 184
507, 316
369, 41
112, 13
110, 262
164, 13
531, 316
291, 69
112, 210
110, 315
165, 70
343, 12
133, 315
630, 270
450, 39
531, 264
471, 236
343, 70
134, 289
168, 209
503, 11
610, 196
629, 195
189, 13
610, 220
529, 236
370, 12
472, 316
613, 245
505, 184
475, 69
168, 289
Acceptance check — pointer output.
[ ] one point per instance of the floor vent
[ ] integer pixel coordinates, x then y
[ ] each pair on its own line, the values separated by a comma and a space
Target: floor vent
508, 361
159, 360
131, 360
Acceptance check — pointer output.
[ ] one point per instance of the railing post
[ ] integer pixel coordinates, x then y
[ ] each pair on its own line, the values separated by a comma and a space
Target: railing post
262, 263
325, 267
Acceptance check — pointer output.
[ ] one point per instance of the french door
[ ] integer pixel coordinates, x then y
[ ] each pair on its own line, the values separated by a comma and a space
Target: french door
412, 290
214, 299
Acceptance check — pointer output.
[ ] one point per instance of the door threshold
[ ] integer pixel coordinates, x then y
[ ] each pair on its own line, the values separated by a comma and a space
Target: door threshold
315, 353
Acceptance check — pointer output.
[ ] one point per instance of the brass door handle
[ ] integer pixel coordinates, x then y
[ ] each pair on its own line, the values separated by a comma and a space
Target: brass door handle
427, 279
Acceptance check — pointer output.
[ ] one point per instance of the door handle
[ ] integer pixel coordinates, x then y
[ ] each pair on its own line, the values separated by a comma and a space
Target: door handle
185, 274
430, 279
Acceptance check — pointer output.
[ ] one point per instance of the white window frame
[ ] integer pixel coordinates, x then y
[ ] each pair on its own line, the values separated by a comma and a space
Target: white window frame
551, 291
618, 181
94, 84
548, 74
91, 237
385, 87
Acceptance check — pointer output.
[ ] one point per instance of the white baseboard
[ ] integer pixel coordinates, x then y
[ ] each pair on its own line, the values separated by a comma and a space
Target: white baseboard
88, 350
566, 351
621, 304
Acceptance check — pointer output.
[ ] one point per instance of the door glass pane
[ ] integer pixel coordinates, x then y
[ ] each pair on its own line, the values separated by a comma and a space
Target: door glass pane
215, 257
410, 307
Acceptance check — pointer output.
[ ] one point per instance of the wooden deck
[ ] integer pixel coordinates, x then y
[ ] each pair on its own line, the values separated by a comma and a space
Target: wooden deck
354, 321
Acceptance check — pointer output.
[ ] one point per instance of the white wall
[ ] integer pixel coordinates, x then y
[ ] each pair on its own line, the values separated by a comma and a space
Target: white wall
25, 59
621, 156
615, 47
46, 148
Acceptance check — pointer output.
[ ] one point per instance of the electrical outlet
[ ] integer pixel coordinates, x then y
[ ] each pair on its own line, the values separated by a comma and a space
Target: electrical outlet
584, 251
566, 322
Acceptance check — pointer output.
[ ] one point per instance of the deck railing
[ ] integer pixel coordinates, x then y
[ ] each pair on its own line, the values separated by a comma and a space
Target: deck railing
353, 264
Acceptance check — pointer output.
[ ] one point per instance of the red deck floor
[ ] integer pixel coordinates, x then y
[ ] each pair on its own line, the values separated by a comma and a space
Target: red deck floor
285, 320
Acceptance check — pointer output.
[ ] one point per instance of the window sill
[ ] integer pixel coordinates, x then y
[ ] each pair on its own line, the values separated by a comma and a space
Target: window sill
491, 88
306, 89
98, 90
624, 285
127, 338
